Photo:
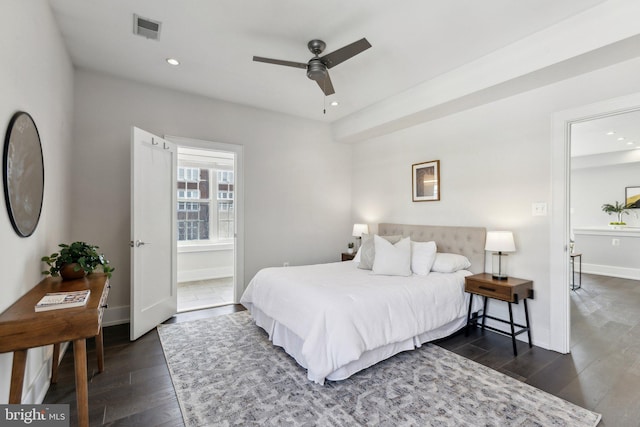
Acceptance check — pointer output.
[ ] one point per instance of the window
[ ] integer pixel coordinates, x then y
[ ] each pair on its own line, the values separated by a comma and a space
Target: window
225, 219
225, 211
193, 203
189, 174
188, 206
202, 217
188, 194
225, 177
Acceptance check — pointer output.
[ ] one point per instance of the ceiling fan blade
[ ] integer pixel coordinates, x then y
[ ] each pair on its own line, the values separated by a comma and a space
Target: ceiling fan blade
280, 62
336, 57
326, 85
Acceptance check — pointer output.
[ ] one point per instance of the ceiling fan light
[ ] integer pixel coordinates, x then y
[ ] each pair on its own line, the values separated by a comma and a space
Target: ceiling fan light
316, 70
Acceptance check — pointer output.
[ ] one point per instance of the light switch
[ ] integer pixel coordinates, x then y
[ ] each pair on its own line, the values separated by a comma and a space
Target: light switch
539, 209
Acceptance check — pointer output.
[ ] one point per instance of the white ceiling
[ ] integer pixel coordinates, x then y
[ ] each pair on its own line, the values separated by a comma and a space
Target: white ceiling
593, 136
413, 42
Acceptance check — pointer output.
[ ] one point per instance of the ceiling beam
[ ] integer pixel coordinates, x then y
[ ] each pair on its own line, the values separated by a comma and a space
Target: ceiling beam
601, 36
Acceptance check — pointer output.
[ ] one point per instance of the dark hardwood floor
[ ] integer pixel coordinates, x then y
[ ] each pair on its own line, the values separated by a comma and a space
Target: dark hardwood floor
602, 373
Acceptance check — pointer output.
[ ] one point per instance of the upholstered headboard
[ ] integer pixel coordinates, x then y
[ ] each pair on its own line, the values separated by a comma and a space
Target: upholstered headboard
467, 241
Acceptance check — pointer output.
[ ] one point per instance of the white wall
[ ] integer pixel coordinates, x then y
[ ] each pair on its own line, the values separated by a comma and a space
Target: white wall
297, 180
495, 162
594, 186
37, 77
596, 180
607, 252
197, 263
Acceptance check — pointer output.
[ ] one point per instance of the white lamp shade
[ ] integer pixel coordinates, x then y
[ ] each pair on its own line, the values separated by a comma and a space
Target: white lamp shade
500, 241
360, 229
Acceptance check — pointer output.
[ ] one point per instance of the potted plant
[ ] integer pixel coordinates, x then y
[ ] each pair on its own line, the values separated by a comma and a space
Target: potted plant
350, 246
76, 260
619, 209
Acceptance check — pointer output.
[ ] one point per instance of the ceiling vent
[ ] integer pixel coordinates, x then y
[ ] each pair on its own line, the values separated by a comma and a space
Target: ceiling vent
146, 27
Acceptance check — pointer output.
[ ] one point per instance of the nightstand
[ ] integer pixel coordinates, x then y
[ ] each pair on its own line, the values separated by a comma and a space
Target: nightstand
347, 257
511, 290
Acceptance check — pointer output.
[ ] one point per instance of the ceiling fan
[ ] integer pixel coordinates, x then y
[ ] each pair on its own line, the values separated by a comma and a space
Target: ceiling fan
317, 66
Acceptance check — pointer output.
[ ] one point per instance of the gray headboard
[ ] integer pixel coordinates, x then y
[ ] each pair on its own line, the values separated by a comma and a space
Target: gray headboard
467, 241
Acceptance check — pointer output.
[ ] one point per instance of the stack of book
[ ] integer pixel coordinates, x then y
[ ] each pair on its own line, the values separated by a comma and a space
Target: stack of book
58, 300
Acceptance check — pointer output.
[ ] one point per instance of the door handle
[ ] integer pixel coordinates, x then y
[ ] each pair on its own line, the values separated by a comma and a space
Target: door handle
138, 243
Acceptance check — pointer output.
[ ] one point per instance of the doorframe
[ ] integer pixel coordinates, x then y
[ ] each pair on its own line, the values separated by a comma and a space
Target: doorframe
238, 174
559, 306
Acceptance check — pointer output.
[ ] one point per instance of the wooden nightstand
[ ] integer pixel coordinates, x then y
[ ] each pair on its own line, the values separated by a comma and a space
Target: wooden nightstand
511, 290
347, 257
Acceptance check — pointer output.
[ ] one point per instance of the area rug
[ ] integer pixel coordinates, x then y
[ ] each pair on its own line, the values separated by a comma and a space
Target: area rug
226, 372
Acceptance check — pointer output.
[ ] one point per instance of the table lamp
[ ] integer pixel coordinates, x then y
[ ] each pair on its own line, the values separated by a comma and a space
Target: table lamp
358, 231
499, 242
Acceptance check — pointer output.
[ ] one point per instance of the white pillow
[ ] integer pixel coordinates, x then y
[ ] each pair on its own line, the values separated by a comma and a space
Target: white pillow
368, 251
423, 255
392, 259
356, 258
450, 263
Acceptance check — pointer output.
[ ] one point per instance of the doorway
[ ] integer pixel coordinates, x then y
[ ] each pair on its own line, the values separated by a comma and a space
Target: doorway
560, 235
605, 164
205, 228
209, 224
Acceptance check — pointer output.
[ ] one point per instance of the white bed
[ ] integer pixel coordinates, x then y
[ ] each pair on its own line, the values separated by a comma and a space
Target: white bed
336, 319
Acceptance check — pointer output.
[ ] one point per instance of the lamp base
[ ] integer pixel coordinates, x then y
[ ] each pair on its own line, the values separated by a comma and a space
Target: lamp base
499, 270
358, 243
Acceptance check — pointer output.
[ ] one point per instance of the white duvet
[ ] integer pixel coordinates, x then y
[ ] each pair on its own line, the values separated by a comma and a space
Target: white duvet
340, 311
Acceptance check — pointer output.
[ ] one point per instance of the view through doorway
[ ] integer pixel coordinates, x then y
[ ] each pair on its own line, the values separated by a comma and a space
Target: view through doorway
560, 236
206, 221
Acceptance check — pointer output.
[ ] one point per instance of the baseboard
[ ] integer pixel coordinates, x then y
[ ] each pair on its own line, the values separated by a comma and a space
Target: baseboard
609, 270
116, 315
205, 274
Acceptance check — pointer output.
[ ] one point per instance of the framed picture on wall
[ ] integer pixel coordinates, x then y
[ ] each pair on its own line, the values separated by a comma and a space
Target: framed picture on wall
632, 197
426, 181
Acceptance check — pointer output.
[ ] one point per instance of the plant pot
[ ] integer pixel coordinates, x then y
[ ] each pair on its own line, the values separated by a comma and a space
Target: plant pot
350, 250
68, 272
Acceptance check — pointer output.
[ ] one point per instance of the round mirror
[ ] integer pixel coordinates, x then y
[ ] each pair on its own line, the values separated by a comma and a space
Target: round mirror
23, 169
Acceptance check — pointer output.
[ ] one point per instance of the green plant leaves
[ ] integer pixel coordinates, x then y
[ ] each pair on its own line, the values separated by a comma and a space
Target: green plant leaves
85, 255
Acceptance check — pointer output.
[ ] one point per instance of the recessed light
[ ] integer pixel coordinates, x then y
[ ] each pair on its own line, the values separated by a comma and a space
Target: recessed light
621, 138
630, 143
611, 132
334, 103
173, 61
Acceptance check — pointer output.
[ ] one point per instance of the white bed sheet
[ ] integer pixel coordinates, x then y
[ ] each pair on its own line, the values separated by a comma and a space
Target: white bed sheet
336, 319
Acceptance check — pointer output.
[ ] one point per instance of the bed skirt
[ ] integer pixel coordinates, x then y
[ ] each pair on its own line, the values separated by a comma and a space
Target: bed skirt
281, 336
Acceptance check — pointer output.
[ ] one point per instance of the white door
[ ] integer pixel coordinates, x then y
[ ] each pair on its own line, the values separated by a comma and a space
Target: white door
153, 218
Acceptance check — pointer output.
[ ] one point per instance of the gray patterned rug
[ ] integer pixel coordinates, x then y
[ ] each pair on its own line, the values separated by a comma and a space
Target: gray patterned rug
226, 372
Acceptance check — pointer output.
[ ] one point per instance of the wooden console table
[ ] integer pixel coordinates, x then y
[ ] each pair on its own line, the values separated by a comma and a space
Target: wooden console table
22, 328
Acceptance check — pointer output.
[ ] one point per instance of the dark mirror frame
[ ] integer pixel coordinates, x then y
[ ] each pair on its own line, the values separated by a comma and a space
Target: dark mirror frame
23, 173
